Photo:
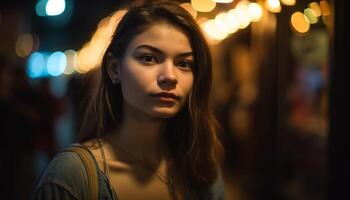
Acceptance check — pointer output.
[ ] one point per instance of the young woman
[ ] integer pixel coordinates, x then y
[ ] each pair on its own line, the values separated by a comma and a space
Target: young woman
151, 131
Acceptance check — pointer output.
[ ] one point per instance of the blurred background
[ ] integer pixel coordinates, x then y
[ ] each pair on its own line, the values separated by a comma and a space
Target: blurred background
278, 89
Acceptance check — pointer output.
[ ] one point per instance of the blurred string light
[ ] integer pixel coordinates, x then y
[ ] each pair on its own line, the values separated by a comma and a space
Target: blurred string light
316, 8
221, 23
89, 57
40, 8
43, 64
71, 56
226, 23
255, 12
232, 22
203, 5
223, 1
242, 13
325, 8
56, 63
24, 45
36, 66
288, 2
273, 6
55, 7
299, 22
311, 15
50, 7
213, 33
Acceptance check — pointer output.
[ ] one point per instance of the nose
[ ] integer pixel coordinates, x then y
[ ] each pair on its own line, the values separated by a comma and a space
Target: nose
167, 75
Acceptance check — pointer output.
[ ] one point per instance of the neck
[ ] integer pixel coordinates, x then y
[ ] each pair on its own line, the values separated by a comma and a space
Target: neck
140, 135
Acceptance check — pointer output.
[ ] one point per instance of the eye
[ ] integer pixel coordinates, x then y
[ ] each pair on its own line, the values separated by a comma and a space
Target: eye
185, 64
148, 59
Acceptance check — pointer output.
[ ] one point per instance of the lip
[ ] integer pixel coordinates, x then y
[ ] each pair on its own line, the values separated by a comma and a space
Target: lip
166, 96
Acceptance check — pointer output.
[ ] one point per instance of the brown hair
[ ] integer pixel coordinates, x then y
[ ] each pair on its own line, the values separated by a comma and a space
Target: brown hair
191, 134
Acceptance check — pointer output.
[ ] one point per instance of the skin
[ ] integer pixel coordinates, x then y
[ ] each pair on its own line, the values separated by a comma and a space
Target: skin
157, 60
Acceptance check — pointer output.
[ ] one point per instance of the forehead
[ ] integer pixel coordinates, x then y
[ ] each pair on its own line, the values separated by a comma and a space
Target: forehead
165, 37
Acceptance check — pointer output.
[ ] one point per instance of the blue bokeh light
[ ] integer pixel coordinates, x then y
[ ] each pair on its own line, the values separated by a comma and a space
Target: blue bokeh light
36, 65
55, 7
56, 63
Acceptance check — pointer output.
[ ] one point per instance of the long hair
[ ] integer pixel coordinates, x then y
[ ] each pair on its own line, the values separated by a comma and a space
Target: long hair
192, 133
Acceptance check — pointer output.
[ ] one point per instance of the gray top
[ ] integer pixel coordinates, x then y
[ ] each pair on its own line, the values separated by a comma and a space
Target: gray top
65, 178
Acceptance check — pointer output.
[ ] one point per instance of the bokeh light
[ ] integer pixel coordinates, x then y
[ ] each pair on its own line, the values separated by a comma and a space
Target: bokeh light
288, 2
55, 7
299, 22
232, 22
56, 63
242, 15
255, 12
273, 6
223, 1
24, 45
203, 5
71, 56
311, 16
40, 8
325, 8
211, 30
221, 24
36, 66
316, 8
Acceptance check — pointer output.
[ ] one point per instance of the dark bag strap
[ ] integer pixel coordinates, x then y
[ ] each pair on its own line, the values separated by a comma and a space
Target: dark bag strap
90, 167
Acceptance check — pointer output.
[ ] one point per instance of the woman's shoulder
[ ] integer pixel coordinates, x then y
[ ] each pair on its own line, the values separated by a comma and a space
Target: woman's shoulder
66, 171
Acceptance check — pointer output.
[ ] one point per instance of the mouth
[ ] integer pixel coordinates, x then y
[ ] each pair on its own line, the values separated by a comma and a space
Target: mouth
166, 96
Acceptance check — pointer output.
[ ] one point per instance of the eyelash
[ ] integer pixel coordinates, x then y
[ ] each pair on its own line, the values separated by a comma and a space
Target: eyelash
189, 64
143, 58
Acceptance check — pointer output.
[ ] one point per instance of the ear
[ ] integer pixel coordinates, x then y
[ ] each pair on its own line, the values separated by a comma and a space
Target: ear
113, 68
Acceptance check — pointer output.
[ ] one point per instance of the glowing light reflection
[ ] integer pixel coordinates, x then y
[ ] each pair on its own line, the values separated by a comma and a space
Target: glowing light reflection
56, 63
203, 5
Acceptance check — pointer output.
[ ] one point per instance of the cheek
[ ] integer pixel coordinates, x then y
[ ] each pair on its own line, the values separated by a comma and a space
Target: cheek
188, 84
134, 79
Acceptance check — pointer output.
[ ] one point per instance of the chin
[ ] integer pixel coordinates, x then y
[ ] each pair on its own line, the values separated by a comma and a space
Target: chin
165, 113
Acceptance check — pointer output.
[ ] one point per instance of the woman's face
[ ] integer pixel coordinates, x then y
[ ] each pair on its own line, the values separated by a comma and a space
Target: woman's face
156, 72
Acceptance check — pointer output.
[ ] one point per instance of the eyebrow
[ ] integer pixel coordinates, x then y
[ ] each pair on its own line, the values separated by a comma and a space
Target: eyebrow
154, 49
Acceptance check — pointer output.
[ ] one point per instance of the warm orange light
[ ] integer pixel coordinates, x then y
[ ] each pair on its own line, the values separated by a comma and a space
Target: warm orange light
325, 8
242, 16
316, 8
203, 5
90, 55
273, 6
255, 12
299, 22
232, 22
221, 23
212, 31
223, 1
288, 2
